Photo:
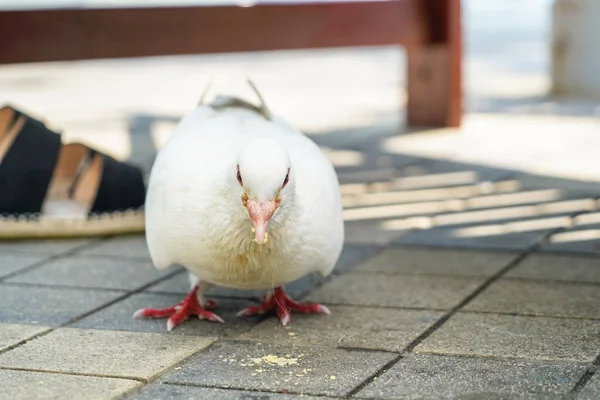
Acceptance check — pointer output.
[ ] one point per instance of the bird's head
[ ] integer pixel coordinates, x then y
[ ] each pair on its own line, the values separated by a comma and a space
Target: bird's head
266, 178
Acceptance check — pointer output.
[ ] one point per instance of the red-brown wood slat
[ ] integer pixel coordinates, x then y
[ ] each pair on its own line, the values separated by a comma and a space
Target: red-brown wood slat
435, 68
430, 30
75, 34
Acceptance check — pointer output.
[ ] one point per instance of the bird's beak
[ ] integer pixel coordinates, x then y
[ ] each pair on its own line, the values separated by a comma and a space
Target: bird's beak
260, 214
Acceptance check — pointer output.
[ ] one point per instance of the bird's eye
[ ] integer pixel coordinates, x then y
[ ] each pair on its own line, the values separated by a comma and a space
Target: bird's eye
239, 177
286, 180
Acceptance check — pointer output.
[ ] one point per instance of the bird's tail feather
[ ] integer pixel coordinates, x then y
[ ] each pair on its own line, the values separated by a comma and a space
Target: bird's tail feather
224, 101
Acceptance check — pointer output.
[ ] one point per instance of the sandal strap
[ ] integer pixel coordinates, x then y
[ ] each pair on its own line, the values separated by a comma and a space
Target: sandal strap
121, 187
17, 114
83, 166
27, 168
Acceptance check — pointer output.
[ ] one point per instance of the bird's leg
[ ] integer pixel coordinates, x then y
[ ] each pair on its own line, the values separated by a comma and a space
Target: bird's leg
283, 304
192, 304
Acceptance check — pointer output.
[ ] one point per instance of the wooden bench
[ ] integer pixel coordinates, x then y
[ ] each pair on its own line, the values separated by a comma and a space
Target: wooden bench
430, 31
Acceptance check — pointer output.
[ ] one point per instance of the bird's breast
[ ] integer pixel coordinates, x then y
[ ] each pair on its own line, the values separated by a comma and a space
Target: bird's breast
237, 261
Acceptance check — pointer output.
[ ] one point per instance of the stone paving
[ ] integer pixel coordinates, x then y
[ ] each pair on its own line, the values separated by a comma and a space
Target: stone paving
459, 278
464, 299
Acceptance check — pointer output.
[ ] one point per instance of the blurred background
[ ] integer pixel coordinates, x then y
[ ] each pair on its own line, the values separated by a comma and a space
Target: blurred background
527, 119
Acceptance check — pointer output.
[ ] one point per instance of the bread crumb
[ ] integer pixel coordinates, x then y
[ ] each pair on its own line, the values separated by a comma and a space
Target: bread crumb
275, 360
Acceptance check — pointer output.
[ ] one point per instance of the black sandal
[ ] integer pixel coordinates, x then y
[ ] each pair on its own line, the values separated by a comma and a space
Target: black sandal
48, 189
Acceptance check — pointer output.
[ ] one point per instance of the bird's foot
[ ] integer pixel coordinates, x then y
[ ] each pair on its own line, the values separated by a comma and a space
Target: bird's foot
283, 304
182, 311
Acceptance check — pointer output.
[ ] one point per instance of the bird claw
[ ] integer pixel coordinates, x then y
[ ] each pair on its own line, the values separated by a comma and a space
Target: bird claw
283, 304
182, 311
323, 310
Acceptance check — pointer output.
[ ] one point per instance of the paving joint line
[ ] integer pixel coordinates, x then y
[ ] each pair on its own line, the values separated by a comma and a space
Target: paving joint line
558, 362
587, 375
568, 253
335, 274
211, 296
173, 367
374, 376
492, 279
144, 382
442, 320
387, 307
487, 283
130, 378
120, 298
460, 248
52, 286
482, 248
238, 389
21, 342
57, 256
529, 315
116, 257
402, 273
82, 316
544, 280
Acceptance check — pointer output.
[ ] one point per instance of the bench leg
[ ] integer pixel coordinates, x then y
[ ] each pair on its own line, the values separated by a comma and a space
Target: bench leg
434, 70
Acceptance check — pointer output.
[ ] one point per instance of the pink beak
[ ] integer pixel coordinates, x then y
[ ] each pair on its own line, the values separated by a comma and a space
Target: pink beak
260, 215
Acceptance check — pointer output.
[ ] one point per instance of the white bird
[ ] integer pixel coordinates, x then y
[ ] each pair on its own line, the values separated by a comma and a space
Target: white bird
243, 200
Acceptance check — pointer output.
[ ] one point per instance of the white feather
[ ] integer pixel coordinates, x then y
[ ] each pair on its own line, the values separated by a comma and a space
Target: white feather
194, 213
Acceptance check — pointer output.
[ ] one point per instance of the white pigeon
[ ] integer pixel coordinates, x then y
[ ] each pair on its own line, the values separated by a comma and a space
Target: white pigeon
242, 200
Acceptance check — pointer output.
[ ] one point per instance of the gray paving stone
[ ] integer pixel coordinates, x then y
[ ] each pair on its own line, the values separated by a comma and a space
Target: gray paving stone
539, 298
354, 255
29, 385
119, 317
49, 306
436, 377
446, 237
420, 291
510, 336
43, 247
133, 246
369, 233
164, 391
93, 272
11, 334
557, 267
254, 366
591, 391
354, 327
423, 260
12, 262
106, 353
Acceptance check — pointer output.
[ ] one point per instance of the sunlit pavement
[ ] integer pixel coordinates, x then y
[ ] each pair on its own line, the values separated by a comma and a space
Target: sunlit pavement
471, 261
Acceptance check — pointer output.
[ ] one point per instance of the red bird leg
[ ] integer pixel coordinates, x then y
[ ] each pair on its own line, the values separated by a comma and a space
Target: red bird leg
182, 311
283, 304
